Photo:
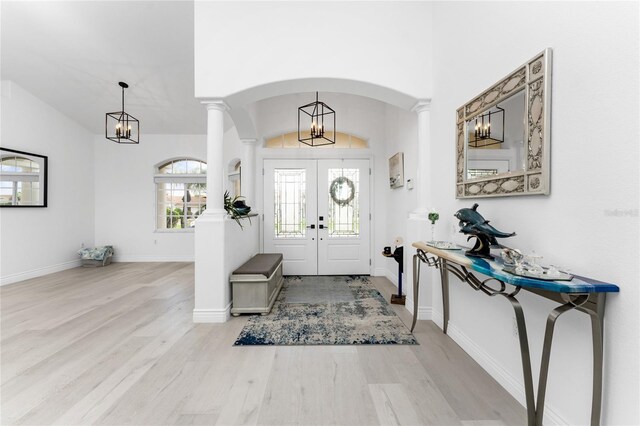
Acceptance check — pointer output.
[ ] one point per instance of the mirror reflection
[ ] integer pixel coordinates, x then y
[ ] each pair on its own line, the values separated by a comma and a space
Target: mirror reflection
23, 179
494, 139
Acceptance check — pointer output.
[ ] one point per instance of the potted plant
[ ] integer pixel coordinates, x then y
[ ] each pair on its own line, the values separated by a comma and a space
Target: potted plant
433, 217
236, 208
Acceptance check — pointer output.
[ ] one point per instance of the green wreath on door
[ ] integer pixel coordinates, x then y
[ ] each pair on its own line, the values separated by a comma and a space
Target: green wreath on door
336, 185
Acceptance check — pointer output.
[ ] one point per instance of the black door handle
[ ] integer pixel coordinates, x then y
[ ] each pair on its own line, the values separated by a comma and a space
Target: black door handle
321, 226
313, 226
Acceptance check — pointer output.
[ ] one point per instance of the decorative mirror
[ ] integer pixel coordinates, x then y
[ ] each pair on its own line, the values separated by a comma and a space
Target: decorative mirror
503, 135
23, 179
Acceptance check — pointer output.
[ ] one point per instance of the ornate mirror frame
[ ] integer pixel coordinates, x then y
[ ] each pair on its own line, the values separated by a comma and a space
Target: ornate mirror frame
534, 77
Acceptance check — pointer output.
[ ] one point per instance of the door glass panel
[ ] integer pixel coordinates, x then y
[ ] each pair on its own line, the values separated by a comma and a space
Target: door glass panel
344, 203
290, 203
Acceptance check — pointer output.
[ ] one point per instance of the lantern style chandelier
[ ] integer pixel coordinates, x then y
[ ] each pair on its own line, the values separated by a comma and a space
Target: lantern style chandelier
121, 127
316, 124
482, 132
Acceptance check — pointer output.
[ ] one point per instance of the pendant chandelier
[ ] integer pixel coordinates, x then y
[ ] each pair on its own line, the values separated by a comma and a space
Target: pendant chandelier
482, 132
316, 124
121, 127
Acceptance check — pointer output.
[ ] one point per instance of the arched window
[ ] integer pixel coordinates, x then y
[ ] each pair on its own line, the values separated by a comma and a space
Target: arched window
235, 177
181, 193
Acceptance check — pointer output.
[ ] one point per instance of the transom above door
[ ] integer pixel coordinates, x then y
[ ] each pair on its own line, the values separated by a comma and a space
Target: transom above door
317, 215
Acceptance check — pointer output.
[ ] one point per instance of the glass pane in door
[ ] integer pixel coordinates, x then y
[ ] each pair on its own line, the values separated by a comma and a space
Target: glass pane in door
290, 203
343, 205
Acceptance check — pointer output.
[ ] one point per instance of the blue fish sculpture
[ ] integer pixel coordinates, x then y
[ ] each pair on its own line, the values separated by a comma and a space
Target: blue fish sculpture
474, 225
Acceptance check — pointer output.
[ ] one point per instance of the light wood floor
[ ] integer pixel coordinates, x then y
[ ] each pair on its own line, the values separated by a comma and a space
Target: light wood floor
116, 345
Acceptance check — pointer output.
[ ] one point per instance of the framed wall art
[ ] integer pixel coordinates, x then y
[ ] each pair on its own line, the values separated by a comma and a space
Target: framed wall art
396, 170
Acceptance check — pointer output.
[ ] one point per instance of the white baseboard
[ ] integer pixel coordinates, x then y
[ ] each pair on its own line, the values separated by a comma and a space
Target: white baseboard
380, 272
424, 312
436, 317
510, 383
212, 315
152, 258
38, 272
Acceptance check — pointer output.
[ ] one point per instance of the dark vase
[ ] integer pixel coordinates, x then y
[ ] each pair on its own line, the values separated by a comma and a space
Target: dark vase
241, 207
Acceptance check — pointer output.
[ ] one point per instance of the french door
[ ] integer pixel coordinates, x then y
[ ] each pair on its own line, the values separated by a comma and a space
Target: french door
317, 215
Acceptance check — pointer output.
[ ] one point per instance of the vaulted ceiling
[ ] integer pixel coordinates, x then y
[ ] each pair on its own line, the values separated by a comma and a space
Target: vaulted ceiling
72, 54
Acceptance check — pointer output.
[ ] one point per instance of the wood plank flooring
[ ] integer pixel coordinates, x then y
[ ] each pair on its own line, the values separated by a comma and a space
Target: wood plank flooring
116, 346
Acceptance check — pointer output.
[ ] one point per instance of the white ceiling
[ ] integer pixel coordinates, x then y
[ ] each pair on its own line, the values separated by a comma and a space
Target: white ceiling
71, 54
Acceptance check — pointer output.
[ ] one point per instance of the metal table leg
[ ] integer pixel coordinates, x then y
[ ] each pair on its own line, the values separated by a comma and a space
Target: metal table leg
525, 357
574, 302
444, 282
596, 398
597, 336
419, 258
416, 282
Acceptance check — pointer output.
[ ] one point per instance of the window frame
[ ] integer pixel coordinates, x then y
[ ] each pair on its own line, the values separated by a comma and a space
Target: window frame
234, 177
176, 178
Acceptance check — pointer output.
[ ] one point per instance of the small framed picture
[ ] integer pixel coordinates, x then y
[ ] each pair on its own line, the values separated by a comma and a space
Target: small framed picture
396, 170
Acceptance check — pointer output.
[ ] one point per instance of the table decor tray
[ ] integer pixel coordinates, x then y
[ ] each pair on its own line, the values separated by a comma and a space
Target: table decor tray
561, 276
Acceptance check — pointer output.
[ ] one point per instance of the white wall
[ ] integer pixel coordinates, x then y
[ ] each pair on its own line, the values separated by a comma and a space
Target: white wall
594, 158
38, 241
125, 197
240, 45
401, 133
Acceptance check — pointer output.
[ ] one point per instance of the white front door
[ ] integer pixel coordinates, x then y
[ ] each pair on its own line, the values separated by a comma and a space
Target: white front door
317, 215
343, 205
290, 206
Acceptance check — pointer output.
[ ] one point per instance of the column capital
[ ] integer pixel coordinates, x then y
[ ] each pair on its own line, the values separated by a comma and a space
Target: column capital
215, 104
249, 141
422, 105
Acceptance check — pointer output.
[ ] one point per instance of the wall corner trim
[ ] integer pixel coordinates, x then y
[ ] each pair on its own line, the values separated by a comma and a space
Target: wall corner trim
215, 103
422, 105
212, 316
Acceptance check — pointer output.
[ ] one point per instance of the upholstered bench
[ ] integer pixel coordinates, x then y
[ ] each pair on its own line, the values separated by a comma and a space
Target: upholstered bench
256, 284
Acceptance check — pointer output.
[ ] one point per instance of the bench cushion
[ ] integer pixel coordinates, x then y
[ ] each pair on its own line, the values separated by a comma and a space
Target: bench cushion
261, 264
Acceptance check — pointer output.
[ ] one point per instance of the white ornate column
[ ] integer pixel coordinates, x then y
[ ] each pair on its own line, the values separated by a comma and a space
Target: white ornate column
212, 295
248, 176
417, 223
215, 156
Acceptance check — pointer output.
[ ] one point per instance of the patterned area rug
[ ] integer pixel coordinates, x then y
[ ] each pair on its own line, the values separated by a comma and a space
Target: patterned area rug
365, 320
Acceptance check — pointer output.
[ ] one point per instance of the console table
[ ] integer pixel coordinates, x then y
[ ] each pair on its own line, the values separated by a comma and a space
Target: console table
581, 294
